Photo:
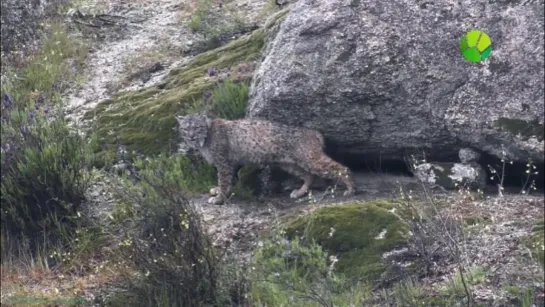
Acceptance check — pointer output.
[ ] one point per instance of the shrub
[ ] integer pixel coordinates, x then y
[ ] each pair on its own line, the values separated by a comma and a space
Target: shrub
295, 273
179, 172
50, 70
42, 164
163, 239
230, 99
351, 231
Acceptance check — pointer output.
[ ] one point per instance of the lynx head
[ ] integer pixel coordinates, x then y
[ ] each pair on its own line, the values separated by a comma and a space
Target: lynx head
193, 129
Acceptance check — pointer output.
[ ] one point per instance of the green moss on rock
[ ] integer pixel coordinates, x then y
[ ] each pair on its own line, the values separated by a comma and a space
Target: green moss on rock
362, 233
524, 128
143, 120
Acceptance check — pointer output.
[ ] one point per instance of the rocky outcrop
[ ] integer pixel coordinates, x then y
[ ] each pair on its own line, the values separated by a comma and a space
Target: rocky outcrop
384, 77
20, 21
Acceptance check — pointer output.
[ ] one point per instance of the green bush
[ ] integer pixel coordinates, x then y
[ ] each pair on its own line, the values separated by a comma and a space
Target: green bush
164, 241
294, 273
51, 69
358, 233
230, 99
179, 172
43, 164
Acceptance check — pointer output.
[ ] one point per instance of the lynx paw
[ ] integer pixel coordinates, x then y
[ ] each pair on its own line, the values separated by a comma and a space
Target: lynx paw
214, 191
297, 194
215, 200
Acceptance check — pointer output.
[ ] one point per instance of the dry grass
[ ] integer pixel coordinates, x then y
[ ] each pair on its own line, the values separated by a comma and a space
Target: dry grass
37, 285
137, 65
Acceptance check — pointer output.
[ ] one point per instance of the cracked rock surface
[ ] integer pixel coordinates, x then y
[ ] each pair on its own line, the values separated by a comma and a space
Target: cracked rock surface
383, 77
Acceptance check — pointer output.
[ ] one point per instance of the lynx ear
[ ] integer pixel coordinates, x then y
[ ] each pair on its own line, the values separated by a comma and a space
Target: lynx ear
179, 119
205, 119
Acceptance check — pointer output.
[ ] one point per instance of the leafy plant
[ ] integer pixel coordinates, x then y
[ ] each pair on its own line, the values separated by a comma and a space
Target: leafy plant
181, 173
230, 99
163, 239
43, 164
43, 161
297, 273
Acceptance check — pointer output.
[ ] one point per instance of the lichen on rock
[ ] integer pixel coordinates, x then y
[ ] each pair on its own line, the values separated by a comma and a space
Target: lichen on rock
467, 155
452, 175
364, 75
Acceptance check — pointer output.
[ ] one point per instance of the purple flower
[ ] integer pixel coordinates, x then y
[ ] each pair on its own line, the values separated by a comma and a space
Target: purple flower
25, 130
211, 71
39, 99
7, 100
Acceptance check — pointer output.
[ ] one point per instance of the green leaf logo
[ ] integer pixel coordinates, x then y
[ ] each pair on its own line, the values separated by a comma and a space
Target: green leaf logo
475, 46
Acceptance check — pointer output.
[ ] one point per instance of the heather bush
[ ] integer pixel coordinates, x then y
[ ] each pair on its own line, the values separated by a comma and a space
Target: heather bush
229, 100
300, 273
164, 240
43, 161
42, 164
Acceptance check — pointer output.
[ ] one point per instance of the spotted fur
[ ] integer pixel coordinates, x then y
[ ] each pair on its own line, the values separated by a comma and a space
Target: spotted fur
230, 144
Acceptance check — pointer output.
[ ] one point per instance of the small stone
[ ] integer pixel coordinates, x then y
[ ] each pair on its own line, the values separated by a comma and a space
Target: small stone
467, 155
452, 175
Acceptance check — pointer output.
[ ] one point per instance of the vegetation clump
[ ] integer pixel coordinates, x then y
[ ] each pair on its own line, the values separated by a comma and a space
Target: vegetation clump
358, 234
43, 162
292, 272
143, 120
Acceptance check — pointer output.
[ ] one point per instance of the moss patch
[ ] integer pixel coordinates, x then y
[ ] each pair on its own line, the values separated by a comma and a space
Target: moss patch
362, 233
526, 129
143, 120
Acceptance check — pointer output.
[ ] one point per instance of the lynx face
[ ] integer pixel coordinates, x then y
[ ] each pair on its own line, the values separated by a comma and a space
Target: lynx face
193, 129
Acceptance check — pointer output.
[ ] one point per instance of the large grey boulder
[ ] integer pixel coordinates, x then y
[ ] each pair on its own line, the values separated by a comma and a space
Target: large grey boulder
20, 22
384, 77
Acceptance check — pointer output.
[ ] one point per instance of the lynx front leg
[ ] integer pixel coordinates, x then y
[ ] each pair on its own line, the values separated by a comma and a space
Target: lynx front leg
221, 193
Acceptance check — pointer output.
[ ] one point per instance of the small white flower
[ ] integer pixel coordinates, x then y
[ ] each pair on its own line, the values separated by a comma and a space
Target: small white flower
331, 232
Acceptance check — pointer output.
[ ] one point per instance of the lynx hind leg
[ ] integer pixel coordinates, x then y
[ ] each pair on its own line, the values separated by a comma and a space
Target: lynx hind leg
221, 192
326, 167
302, 174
